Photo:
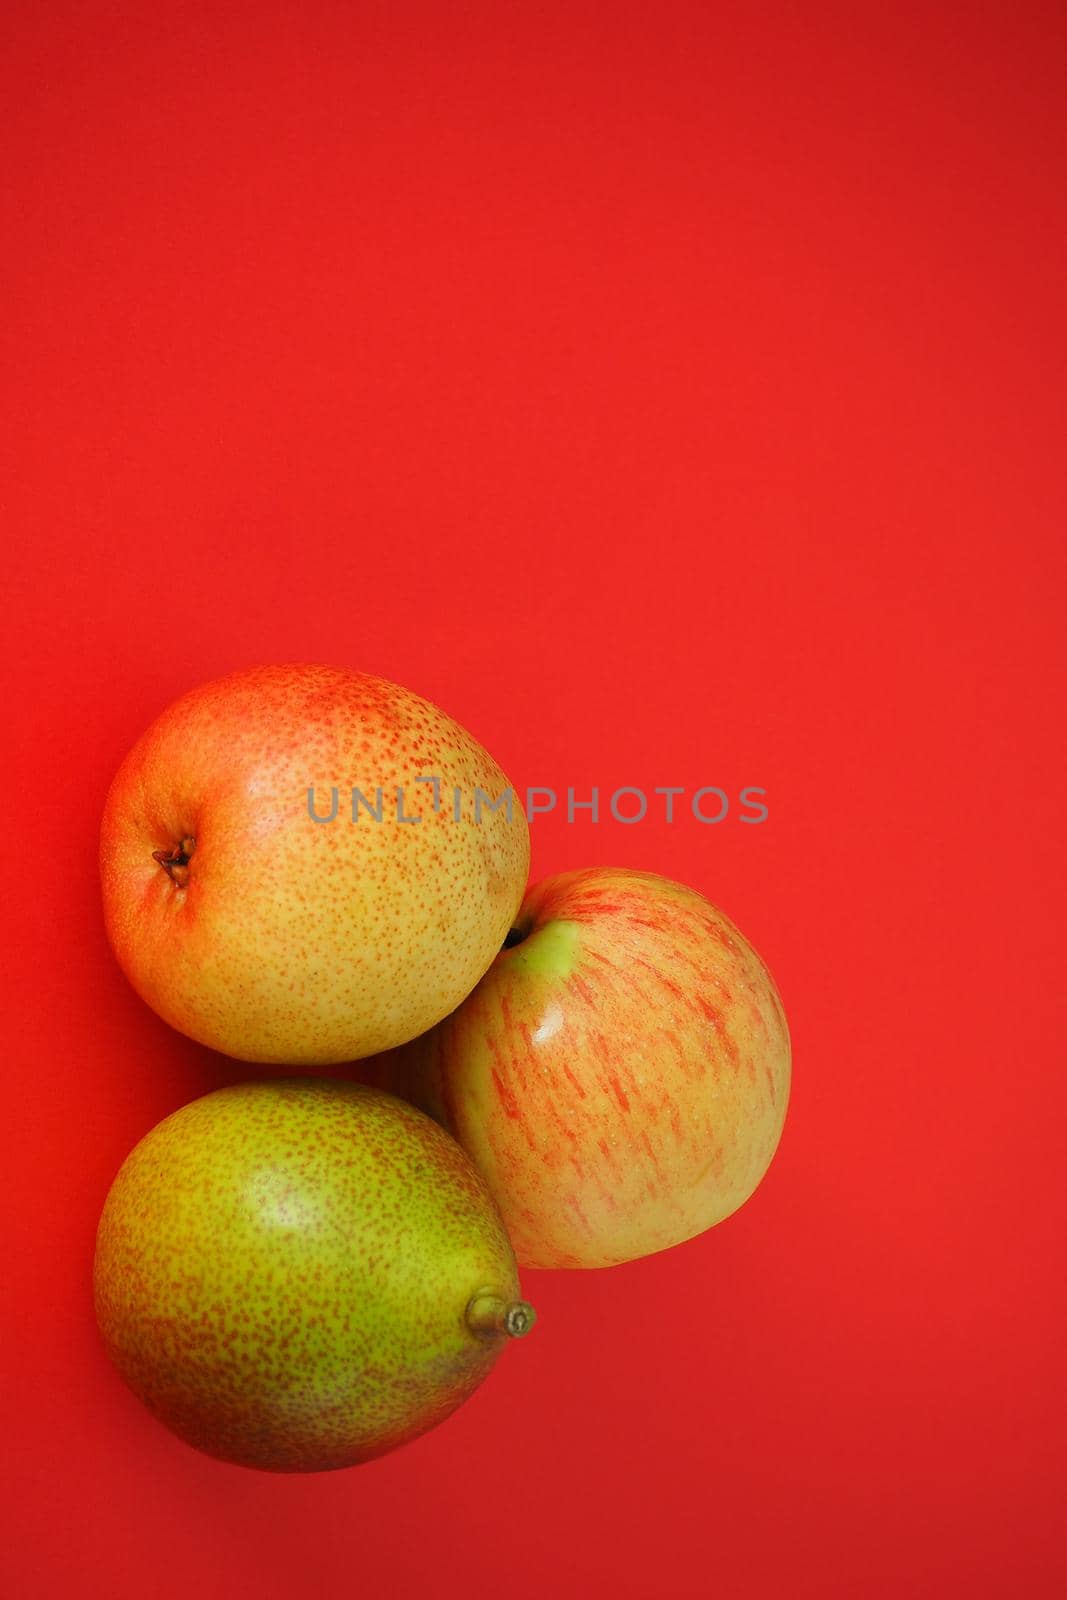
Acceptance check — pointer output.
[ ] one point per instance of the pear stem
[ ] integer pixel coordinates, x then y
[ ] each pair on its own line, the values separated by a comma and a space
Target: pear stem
489, 1313
175, 862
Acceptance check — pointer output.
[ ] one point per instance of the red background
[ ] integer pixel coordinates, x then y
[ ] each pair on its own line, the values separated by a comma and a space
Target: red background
675, 394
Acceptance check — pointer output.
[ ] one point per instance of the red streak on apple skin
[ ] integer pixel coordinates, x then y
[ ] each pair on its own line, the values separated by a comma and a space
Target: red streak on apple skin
580, 986
650, 966
646, 1145
564, 1126
573, 1081
512, 1163
619, 1092
599, 905
714, 1016
692, 1064
505, 1096
515, 1064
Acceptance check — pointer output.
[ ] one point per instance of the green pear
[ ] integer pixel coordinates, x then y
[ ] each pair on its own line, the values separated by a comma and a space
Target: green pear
301, 1275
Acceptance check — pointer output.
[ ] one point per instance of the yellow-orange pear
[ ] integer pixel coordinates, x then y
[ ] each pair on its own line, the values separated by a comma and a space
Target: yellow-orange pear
307, 864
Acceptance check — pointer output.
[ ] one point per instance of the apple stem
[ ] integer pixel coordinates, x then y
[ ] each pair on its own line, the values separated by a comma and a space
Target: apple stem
489, 1313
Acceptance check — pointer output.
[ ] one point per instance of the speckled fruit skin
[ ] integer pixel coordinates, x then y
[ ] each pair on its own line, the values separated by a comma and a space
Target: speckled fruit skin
282, 1272
620, 1077
294, 941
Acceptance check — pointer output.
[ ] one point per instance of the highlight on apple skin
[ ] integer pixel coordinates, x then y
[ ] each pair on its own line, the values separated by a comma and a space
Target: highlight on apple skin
620, 1075
271, 936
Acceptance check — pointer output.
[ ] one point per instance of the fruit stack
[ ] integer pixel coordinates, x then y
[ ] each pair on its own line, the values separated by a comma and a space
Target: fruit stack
308, 865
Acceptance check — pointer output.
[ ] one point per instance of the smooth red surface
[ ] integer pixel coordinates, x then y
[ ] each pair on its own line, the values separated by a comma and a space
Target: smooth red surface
676, 396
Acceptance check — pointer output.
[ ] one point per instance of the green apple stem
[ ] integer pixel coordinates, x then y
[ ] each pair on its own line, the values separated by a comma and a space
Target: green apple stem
488, 1313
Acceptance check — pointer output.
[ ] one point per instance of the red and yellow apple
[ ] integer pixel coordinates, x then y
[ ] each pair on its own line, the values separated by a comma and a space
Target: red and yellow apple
255, 922
620, 1074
